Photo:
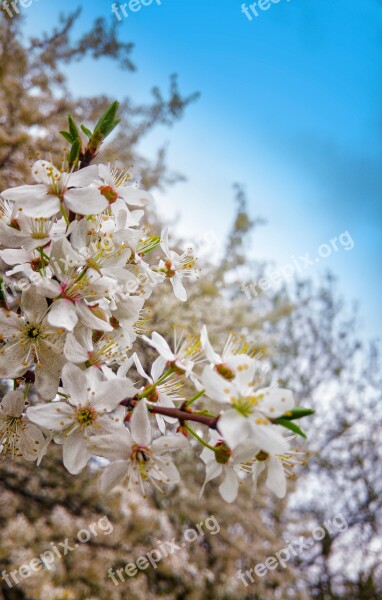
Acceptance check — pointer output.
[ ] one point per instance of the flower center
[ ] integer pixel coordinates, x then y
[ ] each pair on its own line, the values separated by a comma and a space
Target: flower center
86, 415
225, 371
109, 193
10, 429
33, 332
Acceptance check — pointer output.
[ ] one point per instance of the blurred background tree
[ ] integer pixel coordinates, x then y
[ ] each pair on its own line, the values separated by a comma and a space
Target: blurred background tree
303, 334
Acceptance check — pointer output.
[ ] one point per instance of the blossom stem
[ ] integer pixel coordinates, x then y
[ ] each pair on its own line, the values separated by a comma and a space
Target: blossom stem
150, 389
200, 439
184, 415
196, 397
62, 210
177, 413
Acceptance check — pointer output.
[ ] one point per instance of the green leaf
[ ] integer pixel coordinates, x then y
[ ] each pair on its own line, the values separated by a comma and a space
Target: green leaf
298, 413
86, 131
107, 122
289, 425
74, 153
73, 129
67, 136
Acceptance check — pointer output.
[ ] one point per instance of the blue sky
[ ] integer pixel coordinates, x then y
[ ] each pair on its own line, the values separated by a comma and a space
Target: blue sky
290, 107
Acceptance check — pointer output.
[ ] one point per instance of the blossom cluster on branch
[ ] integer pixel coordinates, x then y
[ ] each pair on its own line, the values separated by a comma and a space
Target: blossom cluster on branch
77, 269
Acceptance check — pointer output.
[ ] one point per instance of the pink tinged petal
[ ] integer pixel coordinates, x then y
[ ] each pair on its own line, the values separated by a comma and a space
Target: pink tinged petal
34, 306
113, 475
134, 196
83, 177
218, 388
55, 416
179, 289
75, 384
31, 442
169, 443
140, 425
62, 313
12, 405
13, 361
234, 427
275, 402
85, 201
268, 438
207, 348
75, 452
10, 323
276, 480
230, 486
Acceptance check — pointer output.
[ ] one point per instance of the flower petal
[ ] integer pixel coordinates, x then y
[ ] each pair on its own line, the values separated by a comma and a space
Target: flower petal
113, 475
85, 201
75, 452
140, 424
62, 313
276, 480
55, 416
75, 384
230, 486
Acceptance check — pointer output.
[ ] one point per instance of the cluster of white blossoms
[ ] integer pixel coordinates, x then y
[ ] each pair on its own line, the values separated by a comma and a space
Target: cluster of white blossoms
76, 269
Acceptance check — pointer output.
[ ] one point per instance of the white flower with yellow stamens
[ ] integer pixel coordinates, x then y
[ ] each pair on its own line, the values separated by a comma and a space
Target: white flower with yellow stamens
117, 188
177, 266
18, 437
252, 409
233, 464
76, 291
30, 340
55, 189
83, 347
185, 355
30, 233
137, 458
231, 358
279, 467
91, 400
163, 394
